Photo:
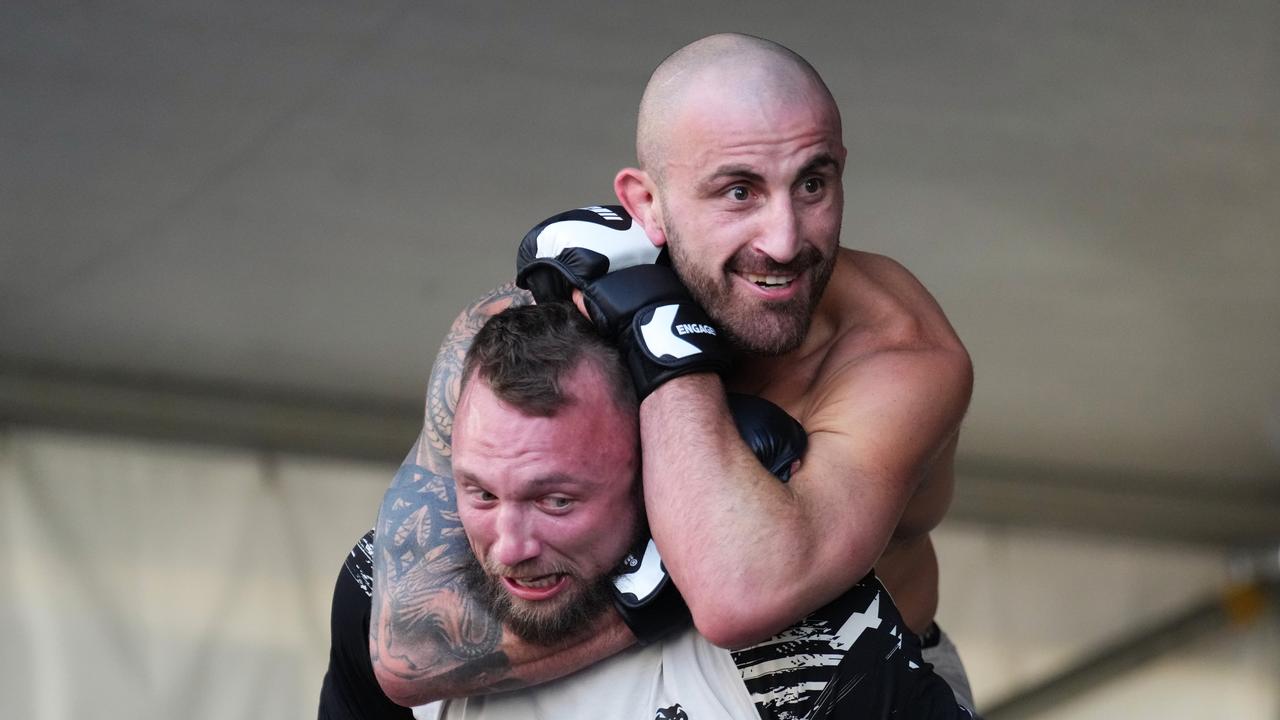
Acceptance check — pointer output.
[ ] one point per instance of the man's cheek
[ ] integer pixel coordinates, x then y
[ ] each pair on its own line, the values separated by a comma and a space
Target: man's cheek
478, 549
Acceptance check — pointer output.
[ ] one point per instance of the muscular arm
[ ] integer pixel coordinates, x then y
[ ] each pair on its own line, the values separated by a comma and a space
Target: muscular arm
427, 638
729, 531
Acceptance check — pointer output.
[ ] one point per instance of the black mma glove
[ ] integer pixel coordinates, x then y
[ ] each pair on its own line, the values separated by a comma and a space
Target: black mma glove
777, 439
643, 592
569, 250
661, 331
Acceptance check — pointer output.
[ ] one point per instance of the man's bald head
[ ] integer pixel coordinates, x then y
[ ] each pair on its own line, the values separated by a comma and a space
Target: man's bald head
727, 68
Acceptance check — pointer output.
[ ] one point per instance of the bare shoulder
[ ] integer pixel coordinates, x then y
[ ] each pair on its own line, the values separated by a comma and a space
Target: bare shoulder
890, 305
888, 337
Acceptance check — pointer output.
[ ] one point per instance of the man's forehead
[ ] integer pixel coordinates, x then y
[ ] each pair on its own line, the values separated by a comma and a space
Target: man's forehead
796, 142
590, 420
541, 458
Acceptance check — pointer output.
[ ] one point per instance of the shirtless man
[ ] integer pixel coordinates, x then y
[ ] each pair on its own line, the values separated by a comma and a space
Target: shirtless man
740, 164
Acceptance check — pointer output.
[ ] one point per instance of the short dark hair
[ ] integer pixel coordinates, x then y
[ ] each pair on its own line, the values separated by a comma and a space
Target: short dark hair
524, 352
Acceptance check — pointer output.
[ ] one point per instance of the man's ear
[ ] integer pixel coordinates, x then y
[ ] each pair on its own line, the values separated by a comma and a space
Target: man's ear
638, 194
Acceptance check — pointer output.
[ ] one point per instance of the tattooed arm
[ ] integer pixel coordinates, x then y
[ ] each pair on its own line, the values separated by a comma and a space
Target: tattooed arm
428, 639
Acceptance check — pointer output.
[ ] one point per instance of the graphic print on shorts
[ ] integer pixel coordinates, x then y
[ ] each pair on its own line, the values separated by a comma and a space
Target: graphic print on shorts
835, 656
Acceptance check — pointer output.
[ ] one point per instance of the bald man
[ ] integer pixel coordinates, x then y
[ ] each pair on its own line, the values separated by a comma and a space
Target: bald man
740, 156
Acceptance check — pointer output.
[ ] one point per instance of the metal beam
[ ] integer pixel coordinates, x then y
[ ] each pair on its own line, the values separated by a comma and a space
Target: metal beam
1231, 512
170, 409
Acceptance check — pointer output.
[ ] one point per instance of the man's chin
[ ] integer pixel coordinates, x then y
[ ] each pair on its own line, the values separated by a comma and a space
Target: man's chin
755, 324
766, 330
569, 612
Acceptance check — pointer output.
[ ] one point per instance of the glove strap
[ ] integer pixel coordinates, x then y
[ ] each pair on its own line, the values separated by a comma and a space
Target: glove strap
669, 340
661, 330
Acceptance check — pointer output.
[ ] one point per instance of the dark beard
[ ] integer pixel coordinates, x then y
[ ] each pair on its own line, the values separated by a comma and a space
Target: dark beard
571, 618
769, 329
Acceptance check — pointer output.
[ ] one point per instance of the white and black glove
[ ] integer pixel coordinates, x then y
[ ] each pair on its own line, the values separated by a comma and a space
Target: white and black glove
575, 247
629, 290
643, 592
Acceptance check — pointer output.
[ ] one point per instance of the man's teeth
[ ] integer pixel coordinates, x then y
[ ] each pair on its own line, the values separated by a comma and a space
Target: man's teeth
542, 581
769, 280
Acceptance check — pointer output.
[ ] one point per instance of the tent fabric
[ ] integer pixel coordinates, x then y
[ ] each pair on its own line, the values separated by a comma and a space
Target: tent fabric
148, 580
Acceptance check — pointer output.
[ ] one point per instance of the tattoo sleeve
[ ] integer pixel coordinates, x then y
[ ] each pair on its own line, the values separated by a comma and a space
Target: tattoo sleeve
427, 636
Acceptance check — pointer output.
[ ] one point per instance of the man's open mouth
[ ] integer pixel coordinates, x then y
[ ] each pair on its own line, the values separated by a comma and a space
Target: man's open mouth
536, 587
769, 281
538, 581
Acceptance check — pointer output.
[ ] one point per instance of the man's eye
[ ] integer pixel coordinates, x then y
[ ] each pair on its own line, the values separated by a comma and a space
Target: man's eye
813, 185
739, 193
557, 503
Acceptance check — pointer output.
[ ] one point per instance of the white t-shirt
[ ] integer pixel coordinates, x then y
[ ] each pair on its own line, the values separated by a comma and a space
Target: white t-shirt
684, 673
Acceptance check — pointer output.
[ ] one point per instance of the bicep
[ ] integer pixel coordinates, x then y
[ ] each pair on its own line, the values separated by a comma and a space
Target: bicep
873, 445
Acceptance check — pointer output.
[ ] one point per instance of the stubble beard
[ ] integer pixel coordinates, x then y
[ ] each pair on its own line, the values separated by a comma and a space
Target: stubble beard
544, 622
758, 328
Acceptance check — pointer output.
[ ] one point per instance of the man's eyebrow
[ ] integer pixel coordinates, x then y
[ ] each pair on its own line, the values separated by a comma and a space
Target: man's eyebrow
556, 480
821, 162
741, 172
825, 161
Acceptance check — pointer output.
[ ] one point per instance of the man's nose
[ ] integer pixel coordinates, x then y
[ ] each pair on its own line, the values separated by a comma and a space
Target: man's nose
779, 236
516, 541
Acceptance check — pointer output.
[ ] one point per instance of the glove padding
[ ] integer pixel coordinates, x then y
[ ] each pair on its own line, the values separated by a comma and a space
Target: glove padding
569, 250
646, 598
629, 289
661, 331
777, 439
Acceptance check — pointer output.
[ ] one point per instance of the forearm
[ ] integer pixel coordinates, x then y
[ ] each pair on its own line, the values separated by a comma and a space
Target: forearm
428, 637
726, 527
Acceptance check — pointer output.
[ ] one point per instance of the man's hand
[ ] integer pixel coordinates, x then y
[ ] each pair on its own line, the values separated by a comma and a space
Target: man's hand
571, 249
661, 331
604, 262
